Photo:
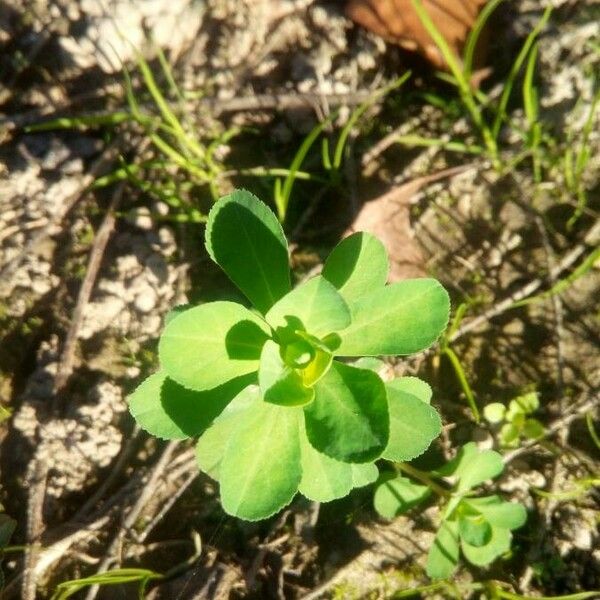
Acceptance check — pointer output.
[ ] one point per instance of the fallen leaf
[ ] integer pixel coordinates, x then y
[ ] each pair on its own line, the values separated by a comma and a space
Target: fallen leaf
397, 22
388, 218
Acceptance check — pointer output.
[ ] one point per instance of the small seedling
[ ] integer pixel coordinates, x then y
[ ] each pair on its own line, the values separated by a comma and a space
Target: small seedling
276, 409
516, 422
479, 526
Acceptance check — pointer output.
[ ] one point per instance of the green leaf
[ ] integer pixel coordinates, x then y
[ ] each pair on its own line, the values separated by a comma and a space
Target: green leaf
169, 411
484, 465
280, 384
413, 423
474, 529
527, 403
398, 495
211, 446
443, 554
370, 362
498, 544
316, 304
357, 265
317, 368
472, 466
509, 435
533, 429
348, 419
412, 385
210, 344
494, 412
323, 478
401, 318
245, 239
261, 469
507, 515
176, 311
364, 474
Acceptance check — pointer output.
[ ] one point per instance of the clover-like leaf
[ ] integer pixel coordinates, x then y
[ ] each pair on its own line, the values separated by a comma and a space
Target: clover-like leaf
397, 495
279, 383
246, 240
402, 318
494, 412
261, 468
211, 446
169, 411
498, 544
498, 512
474, 529
357, 265
444, 552
314, 304
348, 419
484, 465
472, 466
208, 345
413, 423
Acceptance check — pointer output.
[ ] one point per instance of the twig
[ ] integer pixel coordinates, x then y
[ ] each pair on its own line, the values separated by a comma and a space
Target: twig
65, 363
556, 426
533, 286
147, 492
168, 505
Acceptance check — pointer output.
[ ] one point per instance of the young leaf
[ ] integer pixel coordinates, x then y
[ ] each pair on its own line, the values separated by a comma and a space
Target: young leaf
483, 466
509, 435
398, 495
261, 469
323, 478
169, 411
533, 429
357, 265
443, 554
316, 303
474, 529
498, 544
348, 419
413, 423
506, 515
211, 446
472, 466
401, 318
210, 344
280, 384
494, 412
245, 239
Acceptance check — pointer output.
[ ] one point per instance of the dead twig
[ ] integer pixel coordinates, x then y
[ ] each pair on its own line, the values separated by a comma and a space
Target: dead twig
65, 363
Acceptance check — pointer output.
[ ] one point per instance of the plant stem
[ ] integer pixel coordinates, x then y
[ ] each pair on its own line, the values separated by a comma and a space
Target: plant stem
424, 478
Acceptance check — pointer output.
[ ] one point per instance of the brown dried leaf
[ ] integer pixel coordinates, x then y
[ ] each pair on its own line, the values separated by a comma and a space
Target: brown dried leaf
397, 22
388, 218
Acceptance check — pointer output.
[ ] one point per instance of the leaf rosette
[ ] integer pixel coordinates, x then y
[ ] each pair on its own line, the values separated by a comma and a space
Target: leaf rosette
268, 388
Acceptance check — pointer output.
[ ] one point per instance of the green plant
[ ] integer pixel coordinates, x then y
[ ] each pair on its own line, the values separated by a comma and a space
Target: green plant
480, 527
116, 577
276, 409
516, 422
